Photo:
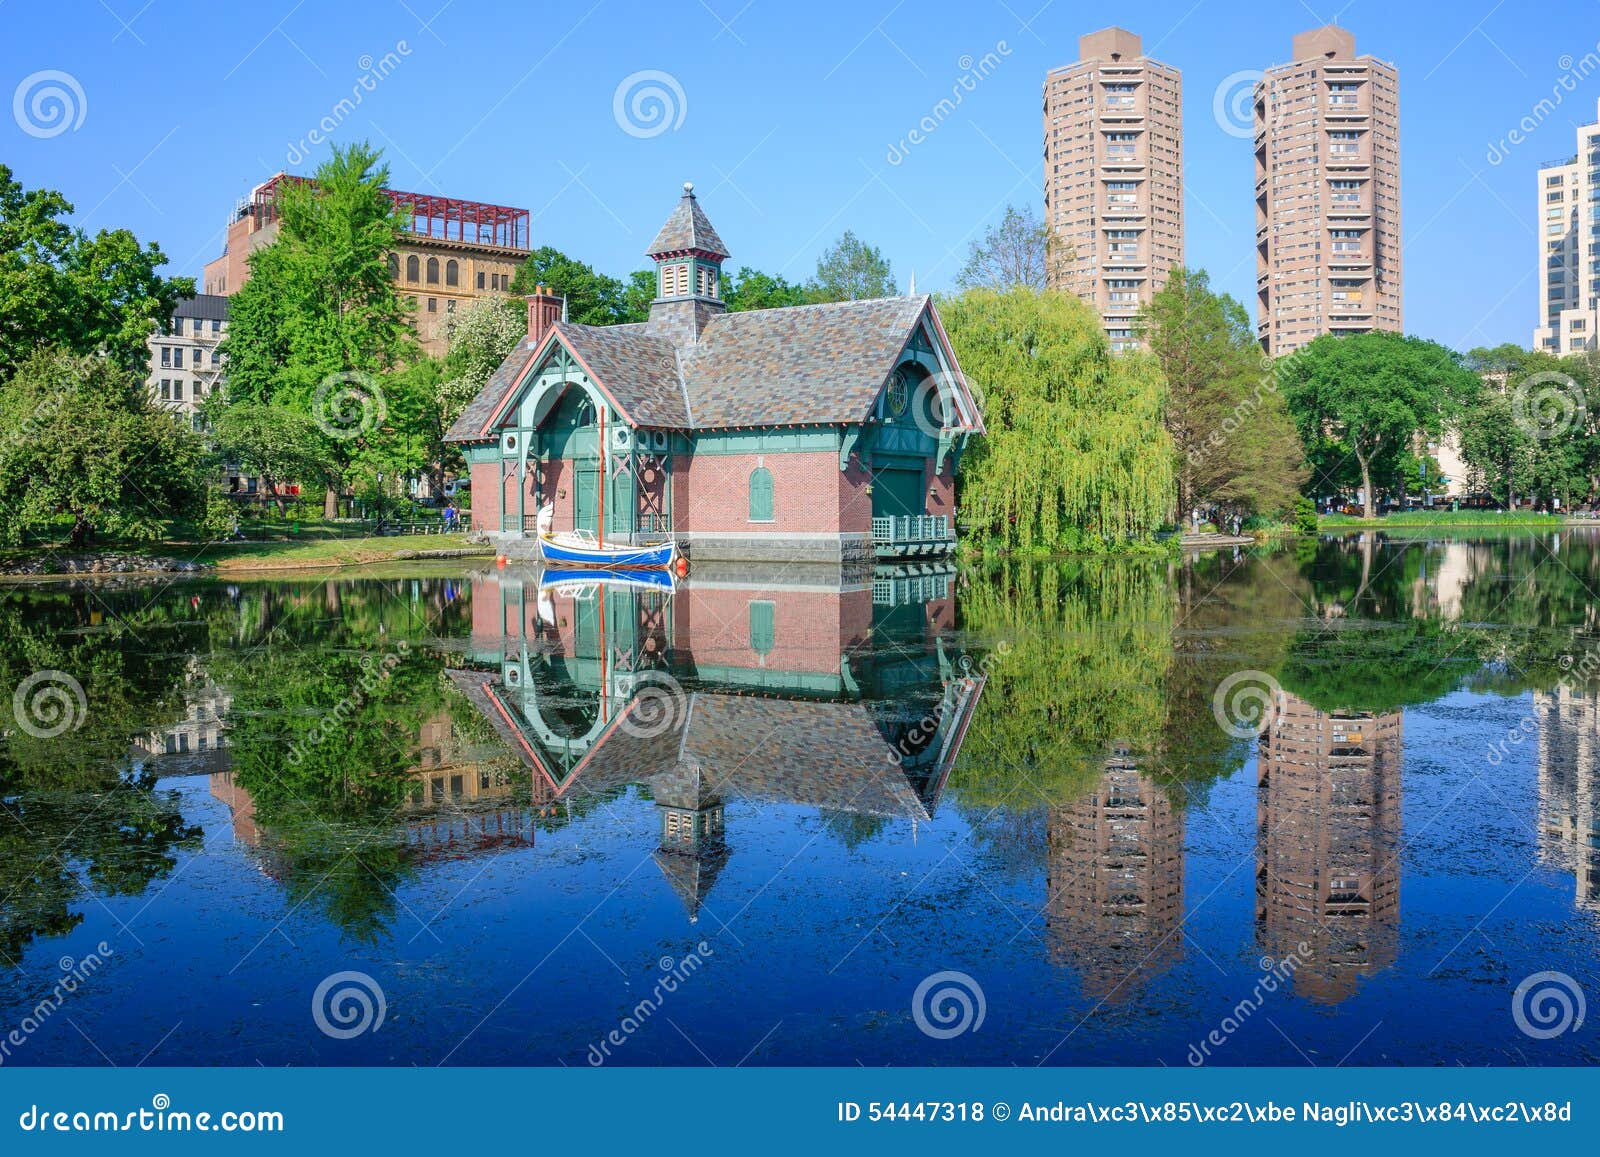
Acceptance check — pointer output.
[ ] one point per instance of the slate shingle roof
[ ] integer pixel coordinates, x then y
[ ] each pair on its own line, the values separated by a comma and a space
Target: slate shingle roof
639, 369
468, 427
687, 228
805, 363
770, 367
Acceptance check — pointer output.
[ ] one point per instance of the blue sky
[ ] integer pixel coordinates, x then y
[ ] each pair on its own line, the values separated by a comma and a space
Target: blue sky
784, 115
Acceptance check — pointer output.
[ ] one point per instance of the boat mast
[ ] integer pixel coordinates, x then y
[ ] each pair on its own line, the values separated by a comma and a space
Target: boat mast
600, 531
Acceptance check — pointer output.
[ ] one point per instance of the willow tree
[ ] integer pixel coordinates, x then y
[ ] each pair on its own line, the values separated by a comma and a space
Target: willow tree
1076, 455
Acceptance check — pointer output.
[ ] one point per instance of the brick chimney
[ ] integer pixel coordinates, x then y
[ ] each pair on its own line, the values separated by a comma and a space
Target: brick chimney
544, 310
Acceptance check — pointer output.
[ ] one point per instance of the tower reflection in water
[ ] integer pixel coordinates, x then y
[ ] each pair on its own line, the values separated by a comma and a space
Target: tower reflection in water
1115, 882
779, 687
1328, 845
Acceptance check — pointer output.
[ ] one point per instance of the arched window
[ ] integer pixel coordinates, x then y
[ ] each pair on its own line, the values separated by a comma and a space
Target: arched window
394, 267
452, 272
433, 271
412, 266
760, 495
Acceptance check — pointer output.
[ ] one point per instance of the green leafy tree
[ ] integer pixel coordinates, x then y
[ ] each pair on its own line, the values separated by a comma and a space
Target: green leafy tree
639, 293
81, 443
851, 270
1373, 393
592, 298
1528, 428
274, 442
1233, 438
1076, 455
320, 320
1021, 251
752, 289
61, 288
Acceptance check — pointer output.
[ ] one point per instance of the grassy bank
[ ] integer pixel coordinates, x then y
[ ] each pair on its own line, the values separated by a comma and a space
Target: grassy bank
269, 546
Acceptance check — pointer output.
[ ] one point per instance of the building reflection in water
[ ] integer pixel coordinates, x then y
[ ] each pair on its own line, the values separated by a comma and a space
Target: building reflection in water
779, 686
1327, 868
1115, 879
459, 804
1569, 824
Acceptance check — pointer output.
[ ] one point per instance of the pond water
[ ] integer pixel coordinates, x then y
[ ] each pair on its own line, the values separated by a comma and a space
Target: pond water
1318, 806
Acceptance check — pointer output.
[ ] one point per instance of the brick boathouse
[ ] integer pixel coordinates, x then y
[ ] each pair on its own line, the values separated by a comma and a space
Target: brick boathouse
827, 433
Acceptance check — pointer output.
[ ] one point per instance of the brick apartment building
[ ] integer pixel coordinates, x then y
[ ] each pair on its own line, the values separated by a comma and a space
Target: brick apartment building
828, 433
454, 252
1113, 185
1327, 180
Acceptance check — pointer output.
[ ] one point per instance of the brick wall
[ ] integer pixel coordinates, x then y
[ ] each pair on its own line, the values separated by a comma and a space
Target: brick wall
810, 629
711, 494
486, 496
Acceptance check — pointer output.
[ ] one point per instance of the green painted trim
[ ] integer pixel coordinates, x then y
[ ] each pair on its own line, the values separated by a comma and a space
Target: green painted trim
775, 440
847, 444
768, 680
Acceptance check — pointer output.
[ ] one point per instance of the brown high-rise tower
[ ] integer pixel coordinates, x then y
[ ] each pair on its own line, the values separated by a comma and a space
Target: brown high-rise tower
1113, 176
1327, 168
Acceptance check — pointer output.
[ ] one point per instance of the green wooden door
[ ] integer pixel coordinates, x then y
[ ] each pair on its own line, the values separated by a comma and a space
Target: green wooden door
586, 509
896, 492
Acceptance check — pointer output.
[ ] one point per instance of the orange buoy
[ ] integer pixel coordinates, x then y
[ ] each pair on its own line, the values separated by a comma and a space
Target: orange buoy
500, 560
683, 566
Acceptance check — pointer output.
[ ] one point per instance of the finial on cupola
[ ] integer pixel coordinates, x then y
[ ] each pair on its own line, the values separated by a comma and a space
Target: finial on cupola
688, 188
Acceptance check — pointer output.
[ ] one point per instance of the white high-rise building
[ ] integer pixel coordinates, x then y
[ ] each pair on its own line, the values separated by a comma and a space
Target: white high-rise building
1569, 249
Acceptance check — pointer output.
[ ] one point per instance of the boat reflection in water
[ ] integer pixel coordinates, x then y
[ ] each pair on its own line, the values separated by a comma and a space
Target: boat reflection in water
770, 686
